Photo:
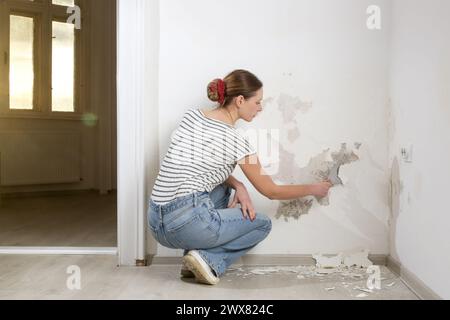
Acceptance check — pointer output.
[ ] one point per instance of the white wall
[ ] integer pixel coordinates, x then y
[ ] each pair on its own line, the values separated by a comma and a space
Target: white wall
420, 92
320, 51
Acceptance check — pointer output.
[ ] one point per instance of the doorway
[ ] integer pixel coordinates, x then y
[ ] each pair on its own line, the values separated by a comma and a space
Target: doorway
58, 126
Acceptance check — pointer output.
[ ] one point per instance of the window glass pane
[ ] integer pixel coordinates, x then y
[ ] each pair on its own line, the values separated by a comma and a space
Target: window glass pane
68, 3
21, 67
63, 63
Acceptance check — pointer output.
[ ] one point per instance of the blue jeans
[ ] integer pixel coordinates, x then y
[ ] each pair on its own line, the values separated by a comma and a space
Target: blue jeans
201, 221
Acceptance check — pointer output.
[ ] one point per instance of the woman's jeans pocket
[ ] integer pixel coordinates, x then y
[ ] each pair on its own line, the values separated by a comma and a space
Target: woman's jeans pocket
153, 220
197, 228
155, 226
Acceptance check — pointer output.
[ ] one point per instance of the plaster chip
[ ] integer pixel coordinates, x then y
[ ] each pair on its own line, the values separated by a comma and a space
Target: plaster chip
390, 284
358, 259
328, 262
363, 289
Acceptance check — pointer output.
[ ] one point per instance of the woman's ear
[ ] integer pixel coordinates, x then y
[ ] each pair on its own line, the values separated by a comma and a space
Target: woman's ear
240, 100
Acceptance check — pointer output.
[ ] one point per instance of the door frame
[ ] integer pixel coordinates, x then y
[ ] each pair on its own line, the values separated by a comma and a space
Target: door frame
137, 82
133, 96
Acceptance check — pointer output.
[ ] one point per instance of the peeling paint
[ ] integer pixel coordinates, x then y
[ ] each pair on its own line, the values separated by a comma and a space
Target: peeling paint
318, 169
289, 107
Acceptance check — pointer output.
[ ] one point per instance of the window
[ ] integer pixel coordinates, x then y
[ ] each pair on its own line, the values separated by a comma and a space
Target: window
21, 65
63, 66
41, 52
68, 3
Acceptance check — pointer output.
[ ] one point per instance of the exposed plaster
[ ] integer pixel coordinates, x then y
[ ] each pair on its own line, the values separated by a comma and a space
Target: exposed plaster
318, 169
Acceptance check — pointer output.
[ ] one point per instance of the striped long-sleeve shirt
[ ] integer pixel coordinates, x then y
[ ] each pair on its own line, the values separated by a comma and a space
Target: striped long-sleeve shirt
202, 154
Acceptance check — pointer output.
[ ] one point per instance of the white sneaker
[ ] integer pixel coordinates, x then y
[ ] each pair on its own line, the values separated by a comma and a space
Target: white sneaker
186, 273
202, 271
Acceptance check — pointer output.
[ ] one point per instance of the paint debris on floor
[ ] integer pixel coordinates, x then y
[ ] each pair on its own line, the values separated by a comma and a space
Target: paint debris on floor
344, 272
352, 280
45, 277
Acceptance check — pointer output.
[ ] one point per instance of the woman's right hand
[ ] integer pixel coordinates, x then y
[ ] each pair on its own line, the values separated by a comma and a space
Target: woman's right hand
321, 189
242, 197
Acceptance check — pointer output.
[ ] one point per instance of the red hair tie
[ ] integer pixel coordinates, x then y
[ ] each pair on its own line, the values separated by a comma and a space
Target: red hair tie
221, 90
217, 90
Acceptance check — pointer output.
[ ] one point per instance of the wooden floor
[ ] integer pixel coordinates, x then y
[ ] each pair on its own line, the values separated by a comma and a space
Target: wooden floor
81, 220
46, 277
90, 220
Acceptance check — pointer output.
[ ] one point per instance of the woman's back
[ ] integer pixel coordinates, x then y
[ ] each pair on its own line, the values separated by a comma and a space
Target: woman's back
202, 154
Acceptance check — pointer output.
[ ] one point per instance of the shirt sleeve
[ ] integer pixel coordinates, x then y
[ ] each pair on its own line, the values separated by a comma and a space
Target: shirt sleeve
245, 149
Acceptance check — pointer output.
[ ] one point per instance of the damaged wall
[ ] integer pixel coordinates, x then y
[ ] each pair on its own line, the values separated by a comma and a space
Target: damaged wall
420, 92
325, 77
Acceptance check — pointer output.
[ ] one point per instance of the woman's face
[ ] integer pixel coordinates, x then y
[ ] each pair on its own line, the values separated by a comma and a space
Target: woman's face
249, 108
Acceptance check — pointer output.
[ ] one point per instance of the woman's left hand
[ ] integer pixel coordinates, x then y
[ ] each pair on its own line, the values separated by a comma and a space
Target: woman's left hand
242, 197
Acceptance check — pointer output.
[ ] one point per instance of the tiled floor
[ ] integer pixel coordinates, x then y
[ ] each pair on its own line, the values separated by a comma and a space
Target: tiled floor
45, 277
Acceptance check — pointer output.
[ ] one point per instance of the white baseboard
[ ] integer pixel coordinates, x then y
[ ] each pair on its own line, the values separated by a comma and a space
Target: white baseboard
57, 251
265, 260
412, 281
